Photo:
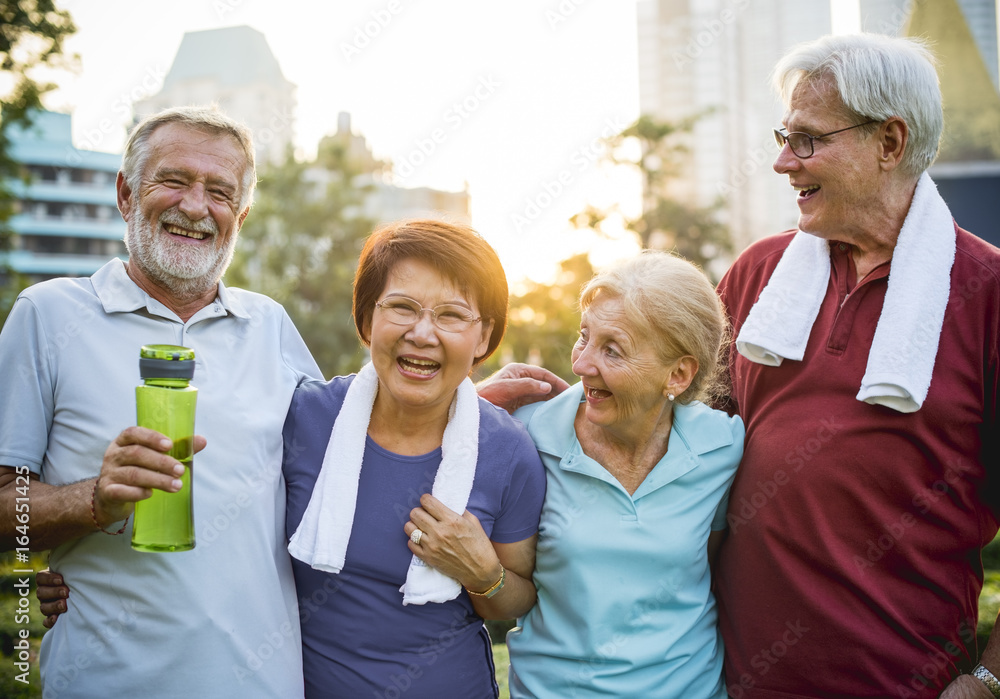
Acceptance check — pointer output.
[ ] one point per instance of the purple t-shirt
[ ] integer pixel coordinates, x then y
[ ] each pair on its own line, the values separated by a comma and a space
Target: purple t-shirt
358, 640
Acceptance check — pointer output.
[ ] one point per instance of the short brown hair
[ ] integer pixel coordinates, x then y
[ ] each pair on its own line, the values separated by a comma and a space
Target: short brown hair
453, 249
672, 301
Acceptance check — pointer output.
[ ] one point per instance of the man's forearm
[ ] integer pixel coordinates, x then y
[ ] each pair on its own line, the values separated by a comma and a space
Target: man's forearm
990, 659
970, 687
42, 515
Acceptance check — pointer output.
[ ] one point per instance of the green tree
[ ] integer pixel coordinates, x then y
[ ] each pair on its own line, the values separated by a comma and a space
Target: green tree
544, 319
300, 246
666, 222
31, 38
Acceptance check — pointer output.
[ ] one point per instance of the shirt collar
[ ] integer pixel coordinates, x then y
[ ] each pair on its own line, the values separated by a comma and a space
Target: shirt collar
119, 294
231, 303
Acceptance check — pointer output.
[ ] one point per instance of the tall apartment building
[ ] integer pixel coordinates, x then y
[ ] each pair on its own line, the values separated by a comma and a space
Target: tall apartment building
68, 222
715, 56
234, 68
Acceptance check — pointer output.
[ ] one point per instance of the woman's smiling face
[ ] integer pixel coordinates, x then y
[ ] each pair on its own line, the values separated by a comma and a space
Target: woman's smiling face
420, 365
623, 376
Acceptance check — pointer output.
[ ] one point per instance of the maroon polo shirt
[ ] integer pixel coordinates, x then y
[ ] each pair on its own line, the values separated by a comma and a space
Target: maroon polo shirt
852, 566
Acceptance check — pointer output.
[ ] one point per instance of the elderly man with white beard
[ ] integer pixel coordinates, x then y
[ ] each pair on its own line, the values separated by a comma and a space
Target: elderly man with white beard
167, 623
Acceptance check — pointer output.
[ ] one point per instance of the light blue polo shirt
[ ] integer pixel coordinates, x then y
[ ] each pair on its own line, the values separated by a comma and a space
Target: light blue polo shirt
69, 365
625, 607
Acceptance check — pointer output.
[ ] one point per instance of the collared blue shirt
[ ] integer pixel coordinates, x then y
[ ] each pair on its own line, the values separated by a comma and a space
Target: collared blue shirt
624, 600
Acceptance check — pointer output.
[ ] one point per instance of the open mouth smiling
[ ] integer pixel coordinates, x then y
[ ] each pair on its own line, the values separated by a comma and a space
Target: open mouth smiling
184, 232
424, 367
597, 393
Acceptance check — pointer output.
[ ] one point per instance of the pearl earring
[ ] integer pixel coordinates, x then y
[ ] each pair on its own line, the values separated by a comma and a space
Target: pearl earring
670, 397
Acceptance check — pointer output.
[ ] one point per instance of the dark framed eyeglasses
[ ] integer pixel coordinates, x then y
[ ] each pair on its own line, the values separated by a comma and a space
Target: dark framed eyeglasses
400, 310
802, 144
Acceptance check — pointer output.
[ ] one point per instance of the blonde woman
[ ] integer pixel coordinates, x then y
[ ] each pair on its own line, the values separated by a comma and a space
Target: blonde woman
637, 471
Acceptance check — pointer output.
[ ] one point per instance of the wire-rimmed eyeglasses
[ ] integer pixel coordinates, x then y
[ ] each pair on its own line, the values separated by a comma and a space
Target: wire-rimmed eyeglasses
802, 144
400, 310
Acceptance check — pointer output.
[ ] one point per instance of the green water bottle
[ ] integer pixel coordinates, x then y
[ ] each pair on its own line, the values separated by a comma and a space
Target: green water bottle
165, 403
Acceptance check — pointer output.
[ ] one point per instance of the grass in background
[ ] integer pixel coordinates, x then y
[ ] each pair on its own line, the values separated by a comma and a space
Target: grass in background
989, 598
502, 661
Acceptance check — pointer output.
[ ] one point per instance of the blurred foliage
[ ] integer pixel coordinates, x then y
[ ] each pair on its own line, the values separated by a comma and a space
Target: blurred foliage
11, 626
300, 246
11, 284
989, 607
544, 320
989, 598
667, 222
31, 37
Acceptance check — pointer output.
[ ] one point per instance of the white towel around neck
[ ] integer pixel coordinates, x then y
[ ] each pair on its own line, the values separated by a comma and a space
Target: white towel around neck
901, 358
323, 534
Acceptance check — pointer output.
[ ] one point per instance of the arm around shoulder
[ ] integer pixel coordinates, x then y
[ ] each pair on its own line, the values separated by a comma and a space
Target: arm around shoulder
516, 385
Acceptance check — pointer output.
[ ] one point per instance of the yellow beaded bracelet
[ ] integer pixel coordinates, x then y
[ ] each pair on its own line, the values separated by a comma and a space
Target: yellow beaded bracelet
495, 588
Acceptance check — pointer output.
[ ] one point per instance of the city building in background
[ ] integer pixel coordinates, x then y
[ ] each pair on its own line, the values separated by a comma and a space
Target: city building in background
385, 201
68, 222
714, 57
234, 69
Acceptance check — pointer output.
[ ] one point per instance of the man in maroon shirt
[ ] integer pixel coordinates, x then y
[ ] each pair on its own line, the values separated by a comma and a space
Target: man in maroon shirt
865, 370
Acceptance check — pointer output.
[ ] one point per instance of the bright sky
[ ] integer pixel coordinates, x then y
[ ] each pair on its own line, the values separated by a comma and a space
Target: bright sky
523, 91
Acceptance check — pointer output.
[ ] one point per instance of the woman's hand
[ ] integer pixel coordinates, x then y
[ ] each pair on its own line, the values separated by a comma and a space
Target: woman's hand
458, 546
454, 544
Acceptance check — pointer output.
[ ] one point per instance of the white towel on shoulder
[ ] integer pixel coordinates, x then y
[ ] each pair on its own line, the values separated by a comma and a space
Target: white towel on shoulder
901, 358
323, 534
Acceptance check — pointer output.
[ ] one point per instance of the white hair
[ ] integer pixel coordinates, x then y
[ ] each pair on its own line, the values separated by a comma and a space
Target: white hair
671, 299
205, 118
877, 77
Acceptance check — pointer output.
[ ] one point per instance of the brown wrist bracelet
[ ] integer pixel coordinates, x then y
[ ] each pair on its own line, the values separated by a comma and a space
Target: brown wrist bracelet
93, 513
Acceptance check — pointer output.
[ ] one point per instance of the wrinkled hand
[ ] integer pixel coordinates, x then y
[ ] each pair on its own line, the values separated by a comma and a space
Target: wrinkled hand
454, 544
516, 385
134, 464
52, 593
966, 687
